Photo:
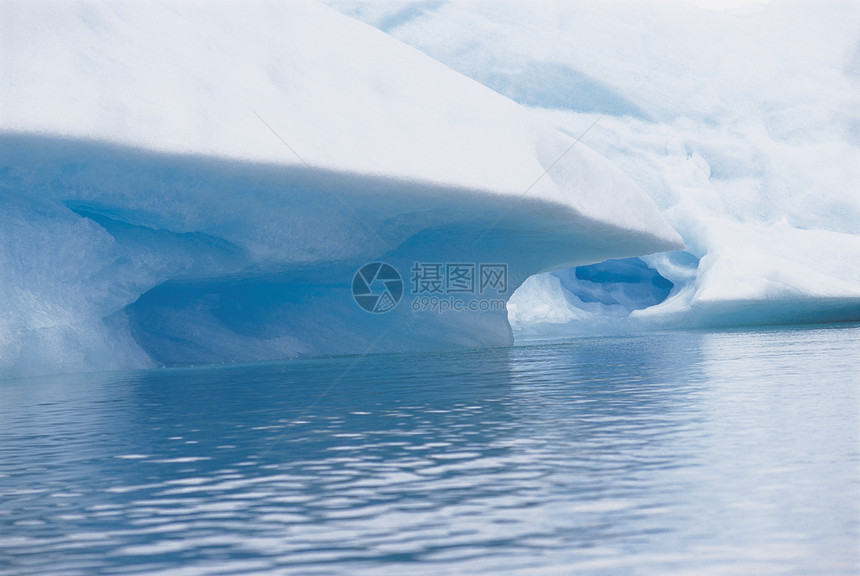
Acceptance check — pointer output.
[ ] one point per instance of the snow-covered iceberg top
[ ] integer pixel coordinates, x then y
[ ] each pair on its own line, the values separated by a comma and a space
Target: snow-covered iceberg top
200, 181
289, 83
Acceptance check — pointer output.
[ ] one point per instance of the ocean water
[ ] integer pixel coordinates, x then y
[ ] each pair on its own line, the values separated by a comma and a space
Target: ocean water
734, 452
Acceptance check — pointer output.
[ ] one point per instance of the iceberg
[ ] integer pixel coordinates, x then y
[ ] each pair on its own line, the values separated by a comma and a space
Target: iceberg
206, 182
740, 119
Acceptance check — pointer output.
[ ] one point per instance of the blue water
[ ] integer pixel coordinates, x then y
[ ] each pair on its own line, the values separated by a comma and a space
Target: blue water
731, 452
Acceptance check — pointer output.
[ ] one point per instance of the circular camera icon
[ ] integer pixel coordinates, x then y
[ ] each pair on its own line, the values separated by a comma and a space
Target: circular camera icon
377, 287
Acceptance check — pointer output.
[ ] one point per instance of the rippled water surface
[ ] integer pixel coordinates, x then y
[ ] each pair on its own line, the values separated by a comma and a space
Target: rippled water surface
689, 453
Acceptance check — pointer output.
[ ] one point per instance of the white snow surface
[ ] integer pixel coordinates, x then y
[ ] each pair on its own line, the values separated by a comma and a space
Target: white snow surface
188, 182
741, 119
